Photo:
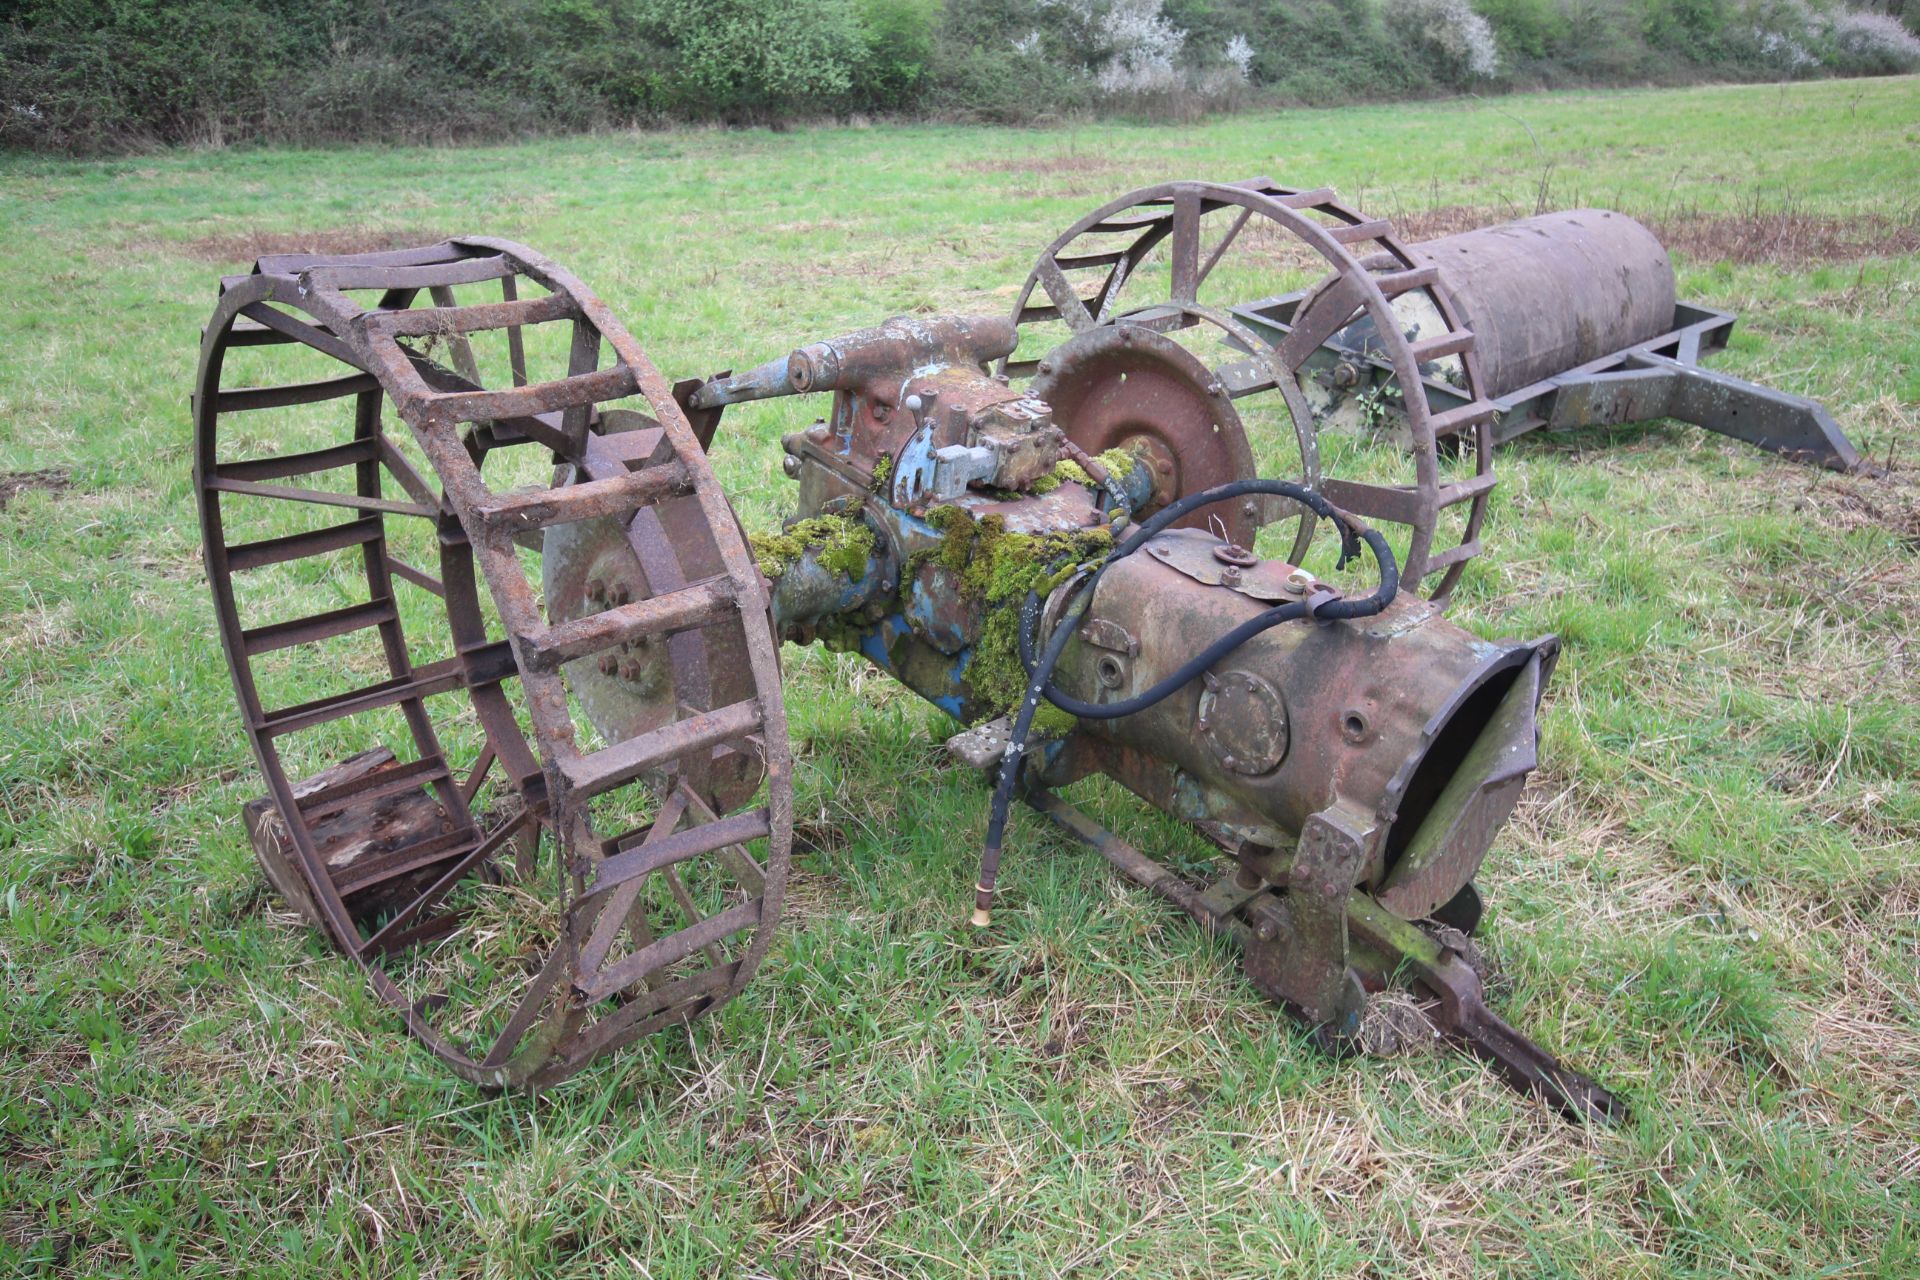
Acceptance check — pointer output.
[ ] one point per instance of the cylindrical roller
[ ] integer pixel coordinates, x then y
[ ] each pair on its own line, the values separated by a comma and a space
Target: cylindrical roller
1547, 294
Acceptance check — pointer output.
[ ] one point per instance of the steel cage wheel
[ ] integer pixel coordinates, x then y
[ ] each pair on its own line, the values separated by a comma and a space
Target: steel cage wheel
1368, 268
656, 910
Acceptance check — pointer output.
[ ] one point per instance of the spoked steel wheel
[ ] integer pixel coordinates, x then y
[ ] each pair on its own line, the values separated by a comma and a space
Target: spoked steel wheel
603, 700
1184, 232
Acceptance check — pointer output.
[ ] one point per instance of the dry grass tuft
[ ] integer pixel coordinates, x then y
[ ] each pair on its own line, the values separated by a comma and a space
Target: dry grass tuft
1783, 238
245, 246
1047, 165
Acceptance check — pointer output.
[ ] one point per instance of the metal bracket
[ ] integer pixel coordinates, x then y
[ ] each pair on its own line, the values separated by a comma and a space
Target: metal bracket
1653, 386
1299, 953
1464, 1016
1277, 935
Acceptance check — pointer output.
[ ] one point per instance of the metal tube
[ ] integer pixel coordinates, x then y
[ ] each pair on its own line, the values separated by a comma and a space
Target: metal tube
1547, 294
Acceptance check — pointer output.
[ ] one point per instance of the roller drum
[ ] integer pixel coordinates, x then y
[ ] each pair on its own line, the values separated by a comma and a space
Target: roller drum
1550, 293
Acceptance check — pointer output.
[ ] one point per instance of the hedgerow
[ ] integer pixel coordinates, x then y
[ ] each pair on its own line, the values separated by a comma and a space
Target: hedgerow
98, 75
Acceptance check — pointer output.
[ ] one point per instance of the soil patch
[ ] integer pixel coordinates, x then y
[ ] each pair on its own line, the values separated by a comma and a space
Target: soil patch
15, 483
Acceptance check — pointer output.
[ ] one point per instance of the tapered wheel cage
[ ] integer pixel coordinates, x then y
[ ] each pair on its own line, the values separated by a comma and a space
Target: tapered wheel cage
646, 896
1083, 277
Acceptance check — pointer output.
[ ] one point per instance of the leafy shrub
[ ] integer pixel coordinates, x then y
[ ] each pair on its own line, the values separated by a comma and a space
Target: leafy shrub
757, 60
1873, 44
1527, 28
898, 39
1462, 38
1790, 37
1603, 41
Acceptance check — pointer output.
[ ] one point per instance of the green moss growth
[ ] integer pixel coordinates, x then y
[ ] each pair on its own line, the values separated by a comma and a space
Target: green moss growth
882, 472
1050, 722
1067, 469
998, 569
841, 544
1118, 462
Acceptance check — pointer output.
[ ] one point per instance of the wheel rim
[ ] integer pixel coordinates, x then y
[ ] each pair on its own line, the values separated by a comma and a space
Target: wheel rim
645, 870
1084, 284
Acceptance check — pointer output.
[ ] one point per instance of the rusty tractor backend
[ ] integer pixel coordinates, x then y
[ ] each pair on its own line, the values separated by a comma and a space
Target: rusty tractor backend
512, 676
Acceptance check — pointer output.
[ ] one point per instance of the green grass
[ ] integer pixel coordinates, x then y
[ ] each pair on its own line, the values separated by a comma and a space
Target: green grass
1711, 898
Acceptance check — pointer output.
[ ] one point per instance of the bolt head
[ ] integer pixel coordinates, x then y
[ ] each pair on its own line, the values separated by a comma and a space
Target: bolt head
609, 664
619, 593
1265, 931
819, 433
790, 465
630, 669
596, 589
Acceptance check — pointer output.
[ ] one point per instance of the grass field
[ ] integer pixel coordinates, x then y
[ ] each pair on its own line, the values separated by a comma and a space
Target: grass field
1710, 899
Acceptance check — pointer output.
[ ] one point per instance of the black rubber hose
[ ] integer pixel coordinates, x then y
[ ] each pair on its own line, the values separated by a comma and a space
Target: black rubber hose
1042, 671
1010, 765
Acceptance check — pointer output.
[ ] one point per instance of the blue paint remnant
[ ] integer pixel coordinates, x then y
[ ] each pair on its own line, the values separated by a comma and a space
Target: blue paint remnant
913, 468
876, 645
922, 609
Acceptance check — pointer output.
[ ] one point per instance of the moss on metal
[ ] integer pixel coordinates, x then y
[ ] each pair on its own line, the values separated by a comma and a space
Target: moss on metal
840, 544
997, 569
1118, 462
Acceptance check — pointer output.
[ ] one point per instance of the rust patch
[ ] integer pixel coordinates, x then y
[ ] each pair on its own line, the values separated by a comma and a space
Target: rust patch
15, 483
245, 246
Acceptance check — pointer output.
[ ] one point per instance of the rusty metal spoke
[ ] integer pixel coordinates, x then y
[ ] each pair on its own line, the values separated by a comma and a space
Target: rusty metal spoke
388, 845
